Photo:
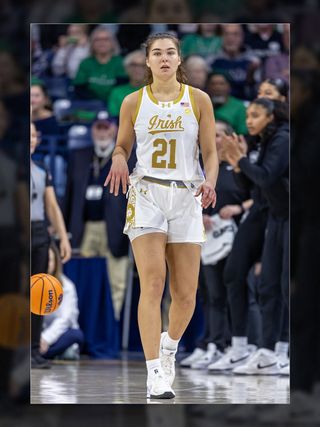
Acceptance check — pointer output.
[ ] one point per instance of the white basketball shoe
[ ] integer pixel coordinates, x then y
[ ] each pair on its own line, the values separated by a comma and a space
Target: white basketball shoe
192, 358
167, 360
212, 355
263, 362
232, 359
158, 387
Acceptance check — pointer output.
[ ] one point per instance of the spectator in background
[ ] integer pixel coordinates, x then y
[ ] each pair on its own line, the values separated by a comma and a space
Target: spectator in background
98, 73
258, 11
264, 40
95, 218
72, 49
230, 204
224, 10
98, 11
41, 110
135, 65
226, 107
43, 205
61, 335
206, 42
197, 71
168, 11
236, 62
273, 89
268, 120
278, 65
131, 37
48, 11
12, 79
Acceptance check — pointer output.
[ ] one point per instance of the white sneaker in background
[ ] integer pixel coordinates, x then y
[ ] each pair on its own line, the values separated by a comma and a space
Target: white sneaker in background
283, 363
263, 362
212, 355
284, 370
158, 387
167, 360
193, 357
71, 353
230, 360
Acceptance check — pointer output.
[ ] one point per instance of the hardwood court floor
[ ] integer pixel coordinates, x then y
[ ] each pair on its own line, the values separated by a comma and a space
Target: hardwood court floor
123, 381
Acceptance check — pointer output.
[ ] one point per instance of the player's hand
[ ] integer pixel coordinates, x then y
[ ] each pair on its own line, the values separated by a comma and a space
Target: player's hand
228, 211
207, 222
119, 172
208, 194
44, 346
65, 250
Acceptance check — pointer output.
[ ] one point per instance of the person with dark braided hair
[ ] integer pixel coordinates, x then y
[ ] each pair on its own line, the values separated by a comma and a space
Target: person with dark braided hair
169, 120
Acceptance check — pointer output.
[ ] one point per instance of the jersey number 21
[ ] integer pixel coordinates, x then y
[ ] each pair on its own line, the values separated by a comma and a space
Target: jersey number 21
163, 145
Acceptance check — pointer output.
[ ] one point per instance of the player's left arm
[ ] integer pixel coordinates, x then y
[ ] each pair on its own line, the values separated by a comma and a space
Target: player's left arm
55, 217
207, 140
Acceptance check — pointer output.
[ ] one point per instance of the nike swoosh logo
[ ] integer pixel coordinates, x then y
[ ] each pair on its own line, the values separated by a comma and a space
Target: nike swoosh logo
239, 360
266, 366
283, 366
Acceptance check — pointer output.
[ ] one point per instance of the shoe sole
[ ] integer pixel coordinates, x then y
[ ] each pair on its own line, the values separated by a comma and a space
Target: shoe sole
41, 367
199, 368
166, 395
258, 374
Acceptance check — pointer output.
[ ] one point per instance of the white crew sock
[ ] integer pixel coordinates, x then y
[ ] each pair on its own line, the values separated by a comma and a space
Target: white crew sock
153, 367
170, 344
240, 344
282, 348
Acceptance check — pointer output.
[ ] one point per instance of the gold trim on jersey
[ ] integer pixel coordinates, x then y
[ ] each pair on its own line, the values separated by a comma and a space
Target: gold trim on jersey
140, 93
167, 103
180, 95
131, 209
193, 104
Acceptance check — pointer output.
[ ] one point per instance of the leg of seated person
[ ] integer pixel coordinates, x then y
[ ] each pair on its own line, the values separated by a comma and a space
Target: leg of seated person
117, 271
90, 240
117, 268
217, 303
71, 336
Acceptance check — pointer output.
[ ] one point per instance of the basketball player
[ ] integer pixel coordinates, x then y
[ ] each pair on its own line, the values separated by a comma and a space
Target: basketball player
164, 213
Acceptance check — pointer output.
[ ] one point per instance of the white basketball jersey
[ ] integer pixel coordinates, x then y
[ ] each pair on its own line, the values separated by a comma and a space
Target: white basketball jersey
167, 137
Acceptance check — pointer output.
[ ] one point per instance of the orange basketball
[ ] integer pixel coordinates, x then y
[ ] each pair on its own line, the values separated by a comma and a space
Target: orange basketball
46, 293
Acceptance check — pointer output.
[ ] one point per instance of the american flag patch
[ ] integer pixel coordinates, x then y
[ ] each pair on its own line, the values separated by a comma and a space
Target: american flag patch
184, 104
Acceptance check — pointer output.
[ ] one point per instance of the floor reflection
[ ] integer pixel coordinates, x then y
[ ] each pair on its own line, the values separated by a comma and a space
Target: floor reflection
115, 382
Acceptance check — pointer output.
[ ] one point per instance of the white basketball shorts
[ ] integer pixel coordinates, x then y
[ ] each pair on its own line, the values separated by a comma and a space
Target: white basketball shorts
168, 208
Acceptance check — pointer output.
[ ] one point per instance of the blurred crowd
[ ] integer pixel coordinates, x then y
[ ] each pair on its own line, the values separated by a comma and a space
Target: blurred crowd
57, 54
77, 87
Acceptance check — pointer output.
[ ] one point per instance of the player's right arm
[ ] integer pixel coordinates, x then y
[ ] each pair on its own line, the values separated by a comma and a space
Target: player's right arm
119, 171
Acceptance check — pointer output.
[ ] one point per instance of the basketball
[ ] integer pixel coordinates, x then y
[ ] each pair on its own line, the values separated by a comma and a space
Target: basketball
46, 294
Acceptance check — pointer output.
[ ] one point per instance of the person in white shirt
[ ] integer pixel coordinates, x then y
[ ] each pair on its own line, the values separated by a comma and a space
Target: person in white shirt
61, 335
72, 49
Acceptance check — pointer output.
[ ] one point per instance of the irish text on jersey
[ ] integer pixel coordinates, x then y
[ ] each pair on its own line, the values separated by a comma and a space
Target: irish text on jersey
157, 125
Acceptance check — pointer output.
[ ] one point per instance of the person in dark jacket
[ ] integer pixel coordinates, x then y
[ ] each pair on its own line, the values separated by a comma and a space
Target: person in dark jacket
243, 263
269, 120
93, 217
231, 203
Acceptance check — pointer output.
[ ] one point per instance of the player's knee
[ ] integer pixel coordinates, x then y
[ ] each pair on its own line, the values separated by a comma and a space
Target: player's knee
153, 289
184, 300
